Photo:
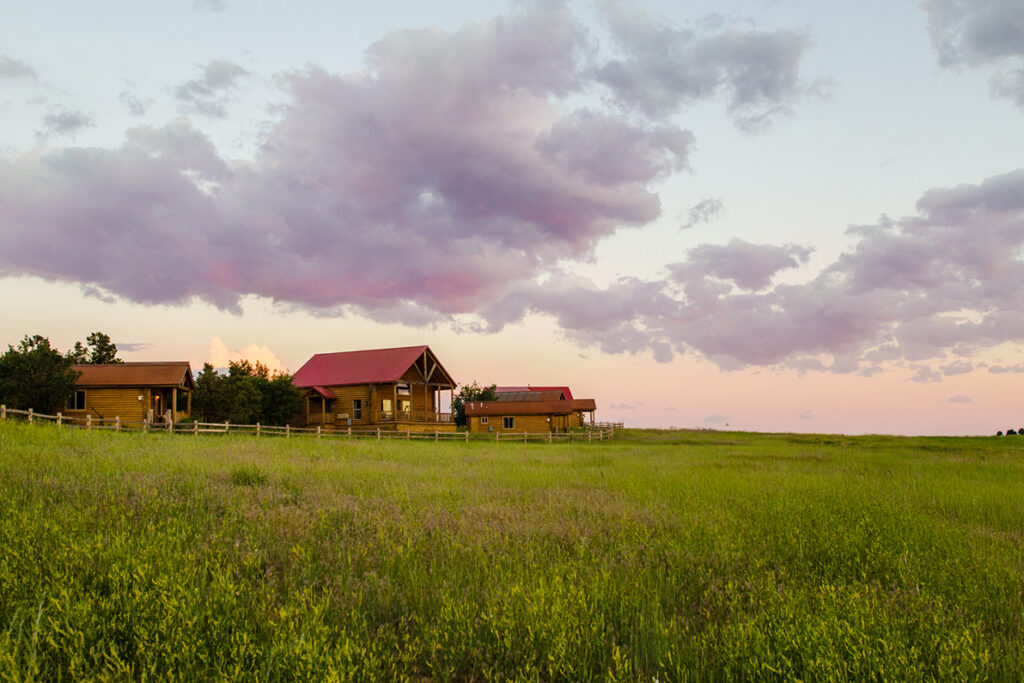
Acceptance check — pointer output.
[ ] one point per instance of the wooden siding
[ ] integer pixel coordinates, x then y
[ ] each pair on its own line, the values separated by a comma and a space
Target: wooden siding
123, 402
535, 424
372, 396
111, 402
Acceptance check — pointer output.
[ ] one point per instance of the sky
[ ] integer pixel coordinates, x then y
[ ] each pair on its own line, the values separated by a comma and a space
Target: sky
774, 215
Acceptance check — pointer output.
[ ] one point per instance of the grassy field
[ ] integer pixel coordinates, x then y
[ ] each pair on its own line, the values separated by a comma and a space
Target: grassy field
659, 556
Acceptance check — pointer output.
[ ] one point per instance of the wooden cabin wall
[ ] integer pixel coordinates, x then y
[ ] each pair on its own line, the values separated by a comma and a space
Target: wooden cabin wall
111, 402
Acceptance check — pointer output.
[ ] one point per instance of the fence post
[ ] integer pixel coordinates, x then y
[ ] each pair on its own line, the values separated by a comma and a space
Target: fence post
467, 434
435, 435
572, 437
287, 430
58, 419
117, 423
195, 427
408, 433
350, 432
30, 416
170, 422
88, 421
378, 433
590, 434
145, 424
3, 411
227, 427
497, 436
549, 437
257, 429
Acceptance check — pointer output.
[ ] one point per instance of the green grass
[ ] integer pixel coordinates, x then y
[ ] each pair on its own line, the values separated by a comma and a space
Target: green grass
661, 555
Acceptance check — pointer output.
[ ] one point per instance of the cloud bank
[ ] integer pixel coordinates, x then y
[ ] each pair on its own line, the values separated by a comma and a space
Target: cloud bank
455, 176
454, 165
946, 280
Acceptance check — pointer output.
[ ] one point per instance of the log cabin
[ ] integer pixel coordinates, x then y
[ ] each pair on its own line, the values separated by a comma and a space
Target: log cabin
393, 389
133, 391
535, 417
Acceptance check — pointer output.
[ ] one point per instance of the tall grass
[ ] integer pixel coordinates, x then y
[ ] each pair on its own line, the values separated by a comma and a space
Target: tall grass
668, 556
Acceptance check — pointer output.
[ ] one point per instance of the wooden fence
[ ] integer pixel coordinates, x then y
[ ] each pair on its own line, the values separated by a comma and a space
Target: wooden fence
599, 432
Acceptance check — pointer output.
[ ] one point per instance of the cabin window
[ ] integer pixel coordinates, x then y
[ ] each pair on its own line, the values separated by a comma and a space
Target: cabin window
508, 423
404, 406
76, 401
403, 389
483, 420
357, 409
385, 405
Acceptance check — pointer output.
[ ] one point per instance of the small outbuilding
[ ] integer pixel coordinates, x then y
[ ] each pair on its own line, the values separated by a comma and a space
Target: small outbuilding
509, 416
133, 391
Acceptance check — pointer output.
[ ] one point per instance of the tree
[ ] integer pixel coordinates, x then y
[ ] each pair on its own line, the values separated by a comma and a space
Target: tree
282, 400
248, 393
470, 392
97, 350
209, 402
35, 375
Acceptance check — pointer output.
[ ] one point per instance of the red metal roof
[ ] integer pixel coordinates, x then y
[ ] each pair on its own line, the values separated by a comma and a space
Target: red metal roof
564, 390
156, 374
324, 392
529, 407
371, 366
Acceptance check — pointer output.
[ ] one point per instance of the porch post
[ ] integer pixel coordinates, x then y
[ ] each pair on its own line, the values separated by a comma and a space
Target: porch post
188, 403
323, 410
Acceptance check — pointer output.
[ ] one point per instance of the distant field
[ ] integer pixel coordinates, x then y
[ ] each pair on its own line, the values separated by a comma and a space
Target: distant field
660, 555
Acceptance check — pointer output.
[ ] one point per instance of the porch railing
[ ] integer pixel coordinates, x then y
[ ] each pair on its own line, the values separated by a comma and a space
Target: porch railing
414, 416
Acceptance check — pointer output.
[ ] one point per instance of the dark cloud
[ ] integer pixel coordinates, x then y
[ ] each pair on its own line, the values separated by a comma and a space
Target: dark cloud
959, 367
132, 102
133, 347
981, 33
15, 69
662, 68
66, 122
205, 94
703, 211
1003, 369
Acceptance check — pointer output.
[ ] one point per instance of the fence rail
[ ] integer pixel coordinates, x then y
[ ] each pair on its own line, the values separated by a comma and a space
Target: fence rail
597, 432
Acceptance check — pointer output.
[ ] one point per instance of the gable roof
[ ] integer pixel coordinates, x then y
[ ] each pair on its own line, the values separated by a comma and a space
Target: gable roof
564, 390
529, 407
154, 374
372, 366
